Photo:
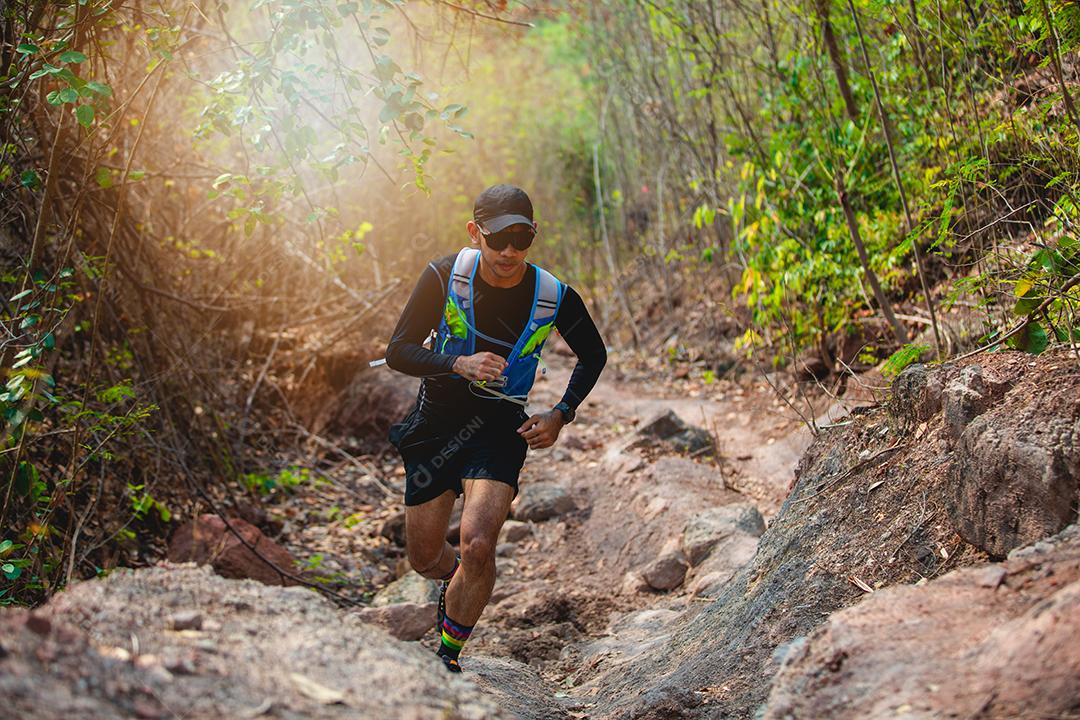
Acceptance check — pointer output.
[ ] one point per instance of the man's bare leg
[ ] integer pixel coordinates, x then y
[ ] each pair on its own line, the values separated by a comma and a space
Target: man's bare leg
425, 536
487, 503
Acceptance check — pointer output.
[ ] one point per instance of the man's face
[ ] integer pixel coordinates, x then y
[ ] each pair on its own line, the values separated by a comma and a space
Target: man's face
505, 263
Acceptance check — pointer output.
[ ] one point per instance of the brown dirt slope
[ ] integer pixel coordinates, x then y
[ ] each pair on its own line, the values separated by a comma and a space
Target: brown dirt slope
871, 508
997, 641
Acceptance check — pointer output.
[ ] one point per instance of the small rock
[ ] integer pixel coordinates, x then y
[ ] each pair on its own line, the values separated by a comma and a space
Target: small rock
662, 426
148, 709
965, 398
405, 621
916, 393
991, 576
186, 620
709, 527
540, 501
710, 584
515, 531
505, 549
409, 588
666, 572
38, 624
669, 428
181, 663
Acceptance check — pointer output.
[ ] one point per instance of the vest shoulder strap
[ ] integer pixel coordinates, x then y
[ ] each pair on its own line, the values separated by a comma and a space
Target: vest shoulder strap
548, 296
461, 275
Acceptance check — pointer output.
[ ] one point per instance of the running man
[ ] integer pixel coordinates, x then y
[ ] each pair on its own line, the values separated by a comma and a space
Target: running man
468, 431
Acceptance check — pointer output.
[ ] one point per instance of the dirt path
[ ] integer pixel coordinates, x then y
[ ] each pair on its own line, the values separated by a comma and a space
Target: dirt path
569, 599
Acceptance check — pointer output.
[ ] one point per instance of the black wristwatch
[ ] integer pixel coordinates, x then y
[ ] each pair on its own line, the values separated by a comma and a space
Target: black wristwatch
568, 412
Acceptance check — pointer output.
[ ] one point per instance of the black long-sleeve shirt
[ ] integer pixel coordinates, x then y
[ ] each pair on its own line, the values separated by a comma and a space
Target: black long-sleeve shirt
502, 313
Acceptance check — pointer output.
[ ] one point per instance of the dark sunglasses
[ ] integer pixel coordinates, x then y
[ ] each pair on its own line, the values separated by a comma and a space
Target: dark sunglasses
520, 240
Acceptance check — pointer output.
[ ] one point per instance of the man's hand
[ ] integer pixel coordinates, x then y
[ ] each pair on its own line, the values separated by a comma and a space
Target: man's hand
542, 430
481, 366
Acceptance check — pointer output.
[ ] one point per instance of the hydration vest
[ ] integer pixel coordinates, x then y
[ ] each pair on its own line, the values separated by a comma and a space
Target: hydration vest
457, 331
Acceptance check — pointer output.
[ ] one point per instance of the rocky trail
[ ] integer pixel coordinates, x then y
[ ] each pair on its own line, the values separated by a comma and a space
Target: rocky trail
656, 566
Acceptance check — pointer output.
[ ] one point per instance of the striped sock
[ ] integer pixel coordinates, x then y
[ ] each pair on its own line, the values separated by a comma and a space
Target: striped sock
453, 638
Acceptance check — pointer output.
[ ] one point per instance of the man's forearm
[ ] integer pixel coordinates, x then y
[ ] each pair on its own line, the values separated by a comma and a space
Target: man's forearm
416, 360
583, 378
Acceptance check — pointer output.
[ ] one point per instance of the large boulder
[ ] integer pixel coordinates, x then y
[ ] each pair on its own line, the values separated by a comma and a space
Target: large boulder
409, 588
539, 501
208, 540
1016, 467
996, 641
405, 621
108, 649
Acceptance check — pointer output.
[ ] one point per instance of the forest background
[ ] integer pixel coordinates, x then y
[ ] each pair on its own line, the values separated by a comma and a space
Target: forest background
212, 212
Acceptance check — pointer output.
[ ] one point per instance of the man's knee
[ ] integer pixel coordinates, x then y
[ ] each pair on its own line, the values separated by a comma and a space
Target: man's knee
476, 549
423, 558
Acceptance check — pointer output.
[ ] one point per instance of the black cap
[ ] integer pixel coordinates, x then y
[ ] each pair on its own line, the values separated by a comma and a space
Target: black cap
501, 206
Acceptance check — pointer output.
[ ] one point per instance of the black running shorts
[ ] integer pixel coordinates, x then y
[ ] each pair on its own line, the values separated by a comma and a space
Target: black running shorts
439, 453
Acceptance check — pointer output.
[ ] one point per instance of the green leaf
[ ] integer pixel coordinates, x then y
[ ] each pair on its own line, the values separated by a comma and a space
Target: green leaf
49, 341
72, 56
389, 113
386, 68
85, 115
1032, 339
21, 295
100, 88
104, 178
116, 392
25, 477
30, 179
10, 571
5, 545
902, 358
28, 49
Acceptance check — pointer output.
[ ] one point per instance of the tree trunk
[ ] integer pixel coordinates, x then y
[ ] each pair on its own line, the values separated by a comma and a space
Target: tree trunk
836, 56
871, 276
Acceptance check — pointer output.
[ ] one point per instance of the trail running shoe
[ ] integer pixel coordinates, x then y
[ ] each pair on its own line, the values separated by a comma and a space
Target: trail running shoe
451, 664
